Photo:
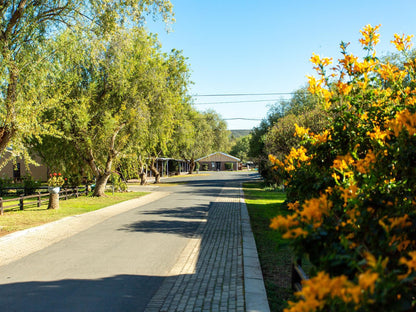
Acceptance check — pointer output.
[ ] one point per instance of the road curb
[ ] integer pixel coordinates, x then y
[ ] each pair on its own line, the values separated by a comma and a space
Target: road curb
255, 291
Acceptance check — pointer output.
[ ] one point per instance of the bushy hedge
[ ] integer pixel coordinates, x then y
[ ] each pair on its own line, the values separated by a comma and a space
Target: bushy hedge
351, 187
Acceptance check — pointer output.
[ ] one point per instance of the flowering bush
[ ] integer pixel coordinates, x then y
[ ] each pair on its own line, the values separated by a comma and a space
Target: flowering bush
55, 180
351, 188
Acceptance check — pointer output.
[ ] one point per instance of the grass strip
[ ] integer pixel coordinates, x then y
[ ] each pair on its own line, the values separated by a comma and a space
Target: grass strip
16, 220
274, 254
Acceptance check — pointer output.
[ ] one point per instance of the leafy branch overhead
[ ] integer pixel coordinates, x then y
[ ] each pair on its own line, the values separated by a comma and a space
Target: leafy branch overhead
25, 28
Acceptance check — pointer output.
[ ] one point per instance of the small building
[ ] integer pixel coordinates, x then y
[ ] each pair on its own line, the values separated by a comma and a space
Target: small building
218, 162
16, 169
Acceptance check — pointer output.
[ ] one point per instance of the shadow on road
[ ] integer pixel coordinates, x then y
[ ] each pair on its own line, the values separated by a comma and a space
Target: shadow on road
120, 292
183, 228
117, 293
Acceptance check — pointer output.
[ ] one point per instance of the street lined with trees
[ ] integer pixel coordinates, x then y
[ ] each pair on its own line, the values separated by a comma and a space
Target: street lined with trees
90, 91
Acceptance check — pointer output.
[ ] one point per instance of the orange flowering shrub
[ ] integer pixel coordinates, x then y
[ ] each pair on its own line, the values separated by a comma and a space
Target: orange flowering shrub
351, 189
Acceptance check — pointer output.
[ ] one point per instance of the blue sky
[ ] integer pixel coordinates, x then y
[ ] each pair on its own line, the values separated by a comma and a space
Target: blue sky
258, 47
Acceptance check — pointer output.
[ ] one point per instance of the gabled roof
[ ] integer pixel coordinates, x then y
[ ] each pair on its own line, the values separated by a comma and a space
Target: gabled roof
218, 156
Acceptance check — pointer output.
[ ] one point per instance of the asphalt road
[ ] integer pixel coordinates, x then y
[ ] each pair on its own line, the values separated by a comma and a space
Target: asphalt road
116, 265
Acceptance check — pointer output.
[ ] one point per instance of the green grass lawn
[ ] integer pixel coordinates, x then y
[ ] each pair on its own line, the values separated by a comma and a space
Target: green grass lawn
15, 219
275, 255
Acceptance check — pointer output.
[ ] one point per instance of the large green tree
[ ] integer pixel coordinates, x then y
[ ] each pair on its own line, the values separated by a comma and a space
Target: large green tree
275, 132
167, 101
220, 133
241, 148
195, 136
104, 86
24, 27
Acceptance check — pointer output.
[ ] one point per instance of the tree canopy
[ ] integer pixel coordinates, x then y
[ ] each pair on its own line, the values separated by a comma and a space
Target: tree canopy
25, 28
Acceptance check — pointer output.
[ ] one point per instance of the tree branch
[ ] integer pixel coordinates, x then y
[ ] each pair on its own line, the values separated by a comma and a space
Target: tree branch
15, 18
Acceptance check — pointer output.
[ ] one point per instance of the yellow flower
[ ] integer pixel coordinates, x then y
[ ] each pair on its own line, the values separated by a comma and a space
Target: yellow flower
371, 260
314, 85
402, 42
404, 119
349, 192
370, 37
301, 131
391, 72
322, 137
343, 88
342, 162
284, 222
367, 280
348, 62
294, 233
315, 59
363, 165
293, 206
401, 222
411, 263
314, 209
377, 134
275, 161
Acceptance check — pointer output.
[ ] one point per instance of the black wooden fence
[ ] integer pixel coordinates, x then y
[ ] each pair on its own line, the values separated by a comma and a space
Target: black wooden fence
37, 199
298, 275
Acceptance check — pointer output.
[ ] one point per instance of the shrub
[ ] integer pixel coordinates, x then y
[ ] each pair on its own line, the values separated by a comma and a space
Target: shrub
30, 185
351, 187
5, 182
119, 184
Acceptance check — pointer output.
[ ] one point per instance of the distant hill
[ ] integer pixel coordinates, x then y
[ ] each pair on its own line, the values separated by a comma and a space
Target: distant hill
239, 133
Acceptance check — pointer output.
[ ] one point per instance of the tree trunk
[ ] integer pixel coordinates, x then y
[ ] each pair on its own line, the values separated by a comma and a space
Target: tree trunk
100, 184
8, 130
155, 172
191, 166
142, 176
103, 175
53, 201
6, 134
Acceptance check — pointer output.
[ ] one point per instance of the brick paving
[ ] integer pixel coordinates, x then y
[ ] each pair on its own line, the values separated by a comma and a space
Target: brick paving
209, 276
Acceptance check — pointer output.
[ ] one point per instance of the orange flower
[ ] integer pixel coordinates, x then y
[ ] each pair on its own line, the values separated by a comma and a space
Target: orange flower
315, 59
294, 233
284, 222
314, 209
363, 165
377, 134
411, 263
343, 88
367, 280
402, 42
300, 131
370, 35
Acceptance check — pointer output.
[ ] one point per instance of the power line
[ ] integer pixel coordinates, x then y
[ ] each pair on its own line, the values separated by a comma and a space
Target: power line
237, 118
244, 94
231, 102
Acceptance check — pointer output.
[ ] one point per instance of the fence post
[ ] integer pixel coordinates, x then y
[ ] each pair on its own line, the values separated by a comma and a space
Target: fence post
21, 202
76, 191
66, 193
39, 200
86, 189
1, 205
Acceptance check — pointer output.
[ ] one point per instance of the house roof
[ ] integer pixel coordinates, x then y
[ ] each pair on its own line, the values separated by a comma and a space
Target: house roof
219, 156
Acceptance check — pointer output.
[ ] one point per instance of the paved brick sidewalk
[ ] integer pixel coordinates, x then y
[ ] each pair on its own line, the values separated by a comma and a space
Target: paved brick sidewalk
210, 274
